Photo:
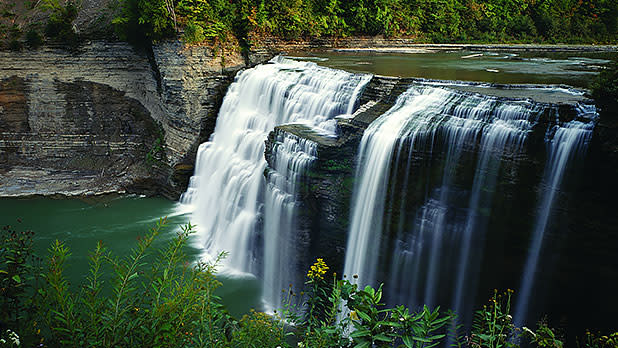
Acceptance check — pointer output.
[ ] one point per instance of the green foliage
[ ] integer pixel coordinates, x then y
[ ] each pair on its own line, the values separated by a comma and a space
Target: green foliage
366, 323
493, 325
258, 330
435, 20
193, 33
139, 20
61, 16
19, 270
544, 337
146, 299
606, 87
592, 340
155, 298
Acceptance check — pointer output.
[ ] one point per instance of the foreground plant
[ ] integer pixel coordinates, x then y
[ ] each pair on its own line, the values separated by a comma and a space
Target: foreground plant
19, 270
339, 314
160, 302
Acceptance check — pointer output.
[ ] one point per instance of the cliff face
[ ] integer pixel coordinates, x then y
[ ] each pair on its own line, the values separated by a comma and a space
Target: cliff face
108, 118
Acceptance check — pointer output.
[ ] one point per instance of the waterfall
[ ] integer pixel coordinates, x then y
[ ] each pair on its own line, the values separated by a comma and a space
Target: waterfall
375, 152
291, 156
227, 190
564, 143
433, 251
504, 136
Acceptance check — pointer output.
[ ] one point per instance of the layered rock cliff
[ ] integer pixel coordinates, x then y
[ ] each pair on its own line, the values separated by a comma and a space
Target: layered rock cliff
108, 117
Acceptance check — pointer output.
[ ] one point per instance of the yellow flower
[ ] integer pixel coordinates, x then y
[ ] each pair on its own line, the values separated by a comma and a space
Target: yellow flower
317, 270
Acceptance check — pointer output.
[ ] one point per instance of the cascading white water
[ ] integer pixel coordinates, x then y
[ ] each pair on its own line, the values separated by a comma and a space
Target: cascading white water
423, 118
504, 136
376, 149
291, 156
226, 192
563, 142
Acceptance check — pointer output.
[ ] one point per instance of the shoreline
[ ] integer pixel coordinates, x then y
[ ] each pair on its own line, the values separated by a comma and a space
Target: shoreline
430, 48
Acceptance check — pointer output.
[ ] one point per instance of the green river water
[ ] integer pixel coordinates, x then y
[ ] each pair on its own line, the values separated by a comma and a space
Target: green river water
118, 222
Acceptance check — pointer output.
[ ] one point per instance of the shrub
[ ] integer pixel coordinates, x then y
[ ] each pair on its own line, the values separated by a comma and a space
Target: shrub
19, 270
60, 23
605, 89
145, 301
493, 325
33, 39
193, 33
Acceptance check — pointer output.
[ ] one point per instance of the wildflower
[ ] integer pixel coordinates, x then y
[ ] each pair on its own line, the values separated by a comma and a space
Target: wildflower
528, 331
317, 270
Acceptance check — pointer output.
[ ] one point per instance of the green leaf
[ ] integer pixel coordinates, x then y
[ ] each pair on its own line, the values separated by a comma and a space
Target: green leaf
382, 337
363, 316
16, 278
407, 340
360, 333
362, 345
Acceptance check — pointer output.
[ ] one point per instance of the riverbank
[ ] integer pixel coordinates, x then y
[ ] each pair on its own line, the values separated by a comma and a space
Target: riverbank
379, 44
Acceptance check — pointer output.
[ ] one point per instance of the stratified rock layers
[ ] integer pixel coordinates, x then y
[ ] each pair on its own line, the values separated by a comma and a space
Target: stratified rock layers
107, 118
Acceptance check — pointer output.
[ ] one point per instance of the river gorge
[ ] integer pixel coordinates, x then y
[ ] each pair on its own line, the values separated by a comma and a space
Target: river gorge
442, 174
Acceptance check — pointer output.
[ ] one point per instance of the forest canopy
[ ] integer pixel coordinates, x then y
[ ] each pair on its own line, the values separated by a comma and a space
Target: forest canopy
551, 21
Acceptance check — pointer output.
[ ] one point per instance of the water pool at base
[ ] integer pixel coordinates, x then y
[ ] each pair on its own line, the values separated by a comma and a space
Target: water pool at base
117, 222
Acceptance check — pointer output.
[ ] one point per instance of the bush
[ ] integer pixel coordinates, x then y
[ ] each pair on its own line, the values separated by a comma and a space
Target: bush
145, 301
60, 23
155, 298
33, 39
19, 270
193, 33
605, 89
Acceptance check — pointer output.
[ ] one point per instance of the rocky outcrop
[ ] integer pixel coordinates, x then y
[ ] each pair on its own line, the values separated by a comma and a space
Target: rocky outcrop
108, 117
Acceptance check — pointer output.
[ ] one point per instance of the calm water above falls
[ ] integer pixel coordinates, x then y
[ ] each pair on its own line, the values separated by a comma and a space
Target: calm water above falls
572, 68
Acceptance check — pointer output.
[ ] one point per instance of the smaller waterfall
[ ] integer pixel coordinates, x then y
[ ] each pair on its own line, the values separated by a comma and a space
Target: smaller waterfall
436, 246
291, 157
504, 136
372, 173
564, 143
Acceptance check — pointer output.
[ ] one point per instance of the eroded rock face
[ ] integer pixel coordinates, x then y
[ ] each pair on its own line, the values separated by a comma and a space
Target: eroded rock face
108, 117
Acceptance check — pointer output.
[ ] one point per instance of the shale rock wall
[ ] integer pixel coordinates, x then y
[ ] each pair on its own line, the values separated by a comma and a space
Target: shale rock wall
107, 117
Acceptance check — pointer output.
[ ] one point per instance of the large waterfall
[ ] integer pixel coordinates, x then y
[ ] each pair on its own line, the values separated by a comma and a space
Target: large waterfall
447, 148
227, 190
